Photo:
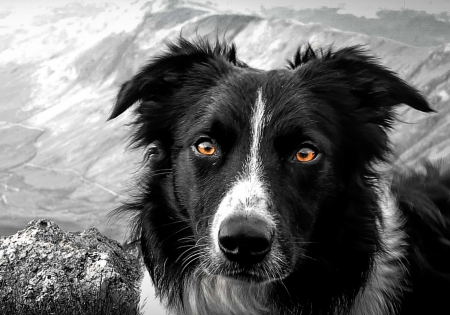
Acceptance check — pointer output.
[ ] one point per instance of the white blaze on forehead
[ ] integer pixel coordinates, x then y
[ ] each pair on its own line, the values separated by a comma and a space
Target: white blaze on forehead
248, 195
259, 120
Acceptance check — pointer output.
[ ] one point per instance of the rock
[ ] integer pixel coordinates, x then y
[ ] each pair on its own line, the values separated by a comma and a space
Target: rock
44, 268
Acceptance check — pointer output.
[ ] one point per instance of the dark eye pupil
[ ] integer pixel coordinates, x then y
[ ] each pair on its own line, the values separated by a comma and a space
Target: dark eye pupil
207, 146
305, 152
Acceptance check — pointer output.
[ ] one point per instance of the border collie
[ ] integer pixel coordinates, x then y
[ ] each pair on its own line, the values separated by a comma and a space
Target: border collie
262, 191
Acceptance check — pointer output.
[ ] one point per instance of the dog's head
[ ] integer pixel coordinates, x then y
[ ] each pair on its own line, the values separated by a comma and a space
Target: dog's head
253, 174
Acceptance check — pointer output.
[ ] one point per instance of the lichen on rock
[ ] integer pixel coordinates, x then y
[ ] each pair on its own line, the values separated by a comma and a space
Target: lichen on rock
43, 265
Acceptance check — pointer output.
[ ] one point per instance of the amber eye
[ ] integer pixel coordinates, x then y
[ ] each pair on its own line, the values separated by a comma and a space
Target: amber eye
305, 154
206, 148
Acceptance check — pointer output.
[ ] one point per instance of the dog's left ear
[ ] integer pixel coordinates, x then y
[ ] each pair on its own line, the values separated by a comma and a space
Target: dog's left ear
376, 88
380, 84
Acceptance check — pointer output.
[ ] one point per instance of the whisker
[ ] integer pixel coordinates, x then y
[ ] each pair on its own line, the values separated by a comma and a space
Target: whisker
171, 223
185, 252
188, 238
180, 230
201, 238
189, 260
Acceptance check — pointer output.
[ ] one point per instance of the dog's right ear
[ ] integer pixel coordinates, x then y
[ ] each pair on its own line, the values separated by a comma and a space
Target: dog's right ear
157, 81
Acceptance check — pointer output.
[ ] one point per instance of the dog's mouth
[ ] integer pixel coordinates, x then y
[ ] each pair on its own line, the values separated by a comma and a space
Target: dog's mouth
246, 276
252, 273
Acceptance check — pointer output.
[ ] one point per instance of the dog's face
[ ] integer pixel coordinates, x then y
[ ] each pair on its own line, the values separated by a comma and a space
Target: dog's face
256, 167
253, 166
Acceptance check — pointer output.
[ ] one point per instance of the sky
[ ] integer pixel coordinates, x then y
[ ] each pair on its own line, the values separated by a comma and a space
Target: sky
366, 8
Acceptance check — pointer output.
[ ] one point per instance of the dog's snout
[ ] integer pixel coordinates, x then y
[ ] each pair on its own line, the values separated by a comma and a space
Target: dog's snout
246, 240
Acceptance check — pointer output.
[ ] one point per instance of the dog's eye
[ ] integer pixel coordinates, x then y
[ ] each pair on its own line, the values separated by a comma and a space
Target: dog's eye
206, 147
306, 154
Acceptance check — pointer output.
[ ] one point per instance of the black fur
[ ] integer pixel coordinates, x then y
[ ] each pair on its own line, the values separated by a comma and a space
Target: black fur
424, 200
328, 212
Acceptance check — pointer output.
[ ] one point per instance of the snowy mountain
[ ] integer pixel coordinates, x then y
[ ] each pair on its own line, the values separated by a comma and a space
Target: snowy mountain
60, 68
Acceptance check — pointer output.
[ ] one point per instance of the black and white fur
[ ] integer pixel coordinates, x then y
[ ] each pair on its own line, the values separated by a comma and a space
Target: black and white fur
334, 235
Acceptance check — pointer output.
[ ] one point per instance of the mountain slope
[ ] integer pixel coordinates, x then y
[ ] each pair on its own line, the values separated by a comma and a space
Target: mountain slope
62, 72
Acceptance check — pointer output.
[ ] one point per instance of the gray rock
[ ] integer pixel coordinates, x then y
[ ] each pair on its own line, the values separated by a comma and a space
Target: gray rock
43, 267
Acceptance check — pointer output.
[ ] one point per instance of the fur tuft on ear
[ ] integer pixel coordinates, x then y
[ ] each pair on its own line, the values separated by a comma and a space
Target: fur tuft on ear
382, 85
303, 55
359, 73
163, 74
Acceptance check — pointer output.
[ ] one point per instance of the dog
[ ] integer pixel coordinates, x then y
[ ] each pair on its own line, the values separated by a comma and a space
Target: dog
270, 192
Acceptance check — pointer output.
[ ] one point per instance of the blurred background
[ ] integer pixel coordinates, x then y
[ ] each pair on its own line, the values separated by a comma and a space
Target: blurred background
62, 62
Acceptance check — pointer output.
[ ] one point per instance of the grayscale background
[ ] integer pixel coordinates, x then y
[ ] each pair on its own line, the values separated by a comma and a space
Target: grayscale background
61, 63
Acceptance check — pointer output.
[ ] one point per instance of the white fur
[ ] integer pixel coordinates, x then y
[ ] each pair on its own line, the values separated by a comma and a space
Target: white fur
249, 193
259, 121
215, 295
384, 288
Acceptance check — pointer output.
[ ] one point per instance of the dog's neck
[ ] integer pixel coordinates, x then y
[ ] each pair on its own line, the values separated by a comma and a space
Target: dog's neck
382, 292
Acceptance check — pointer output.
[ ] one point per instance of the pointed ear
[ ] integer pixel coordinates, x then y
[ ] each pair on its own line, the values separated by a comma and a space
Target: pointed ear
158, 80
355, 82
376, 86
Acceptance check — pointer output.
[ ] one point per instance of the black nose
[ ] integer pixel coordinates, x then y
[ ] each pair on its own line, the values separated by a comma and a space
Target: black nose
246, 240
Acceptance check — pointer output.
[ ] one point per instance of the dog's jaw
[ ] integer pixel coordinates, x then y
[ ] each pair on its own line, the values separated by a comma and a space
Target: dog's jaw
216, 295
384, 287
